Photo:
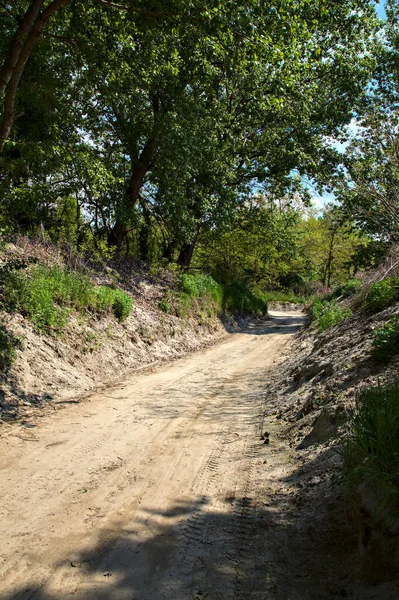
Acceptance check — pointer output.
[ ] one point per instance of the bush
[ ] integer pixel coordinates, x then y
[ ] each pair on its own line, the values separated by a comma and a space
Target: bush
200, 285
349, 289
8, 345
32, 295
122, 305
371, 446
238, 298
327, 314
205, 293
382, 294
386, 340
164, 306
47, 294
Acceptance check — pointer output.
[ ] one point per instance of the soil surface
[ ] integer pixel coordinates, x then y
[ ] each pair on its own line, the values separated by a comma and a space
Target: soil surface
172, 486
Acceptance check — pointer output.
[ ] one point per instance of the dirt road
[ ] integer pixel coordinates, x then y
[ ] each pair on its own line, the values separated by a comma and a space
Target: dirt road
153, 489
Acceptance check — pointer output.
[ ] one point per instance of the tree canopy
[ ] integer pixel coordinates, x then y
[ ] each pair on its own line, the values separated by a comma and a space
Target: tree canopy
155, 128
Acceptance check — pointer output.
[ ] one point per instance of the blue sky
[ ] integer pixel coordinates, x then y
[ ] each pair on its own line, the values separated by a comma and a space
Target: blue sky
381, 10
320, 201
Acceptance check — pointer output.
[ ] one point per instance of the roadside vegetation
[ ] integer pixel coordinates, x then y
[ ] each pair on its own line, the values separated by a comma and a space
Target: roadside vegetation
371, 448
47, 295
386, 340
328, 313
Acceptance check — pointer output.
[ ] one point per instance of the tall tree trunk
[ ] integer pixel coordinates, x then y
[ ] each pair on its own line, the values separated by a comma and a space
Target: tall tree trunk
327, 278
187, 251
169, 250
140, 167
17, 43
145, 235
19, 52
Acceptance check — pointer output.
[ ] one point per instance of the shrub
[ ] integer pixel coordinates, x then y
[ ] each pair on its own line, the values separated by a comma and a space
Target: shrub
32, 295
382, 294
371, 446
164, 306
237, 297
386, 340
122, 305
8, 345
199, 285
204, 291
327, 314
351, 288
347, 290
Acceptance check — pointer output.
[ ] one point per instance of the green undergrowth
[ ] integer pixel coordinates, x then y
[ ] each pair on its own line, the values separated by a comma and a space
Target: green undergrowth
201, 294
386, 340
347, 290
371, 446
46, 295
328, 313
382, 294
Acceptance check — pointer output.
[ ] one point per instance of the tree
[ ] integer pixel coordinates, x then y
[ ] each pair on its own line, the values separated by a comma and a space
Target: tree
330, 245
368, 186
183, 113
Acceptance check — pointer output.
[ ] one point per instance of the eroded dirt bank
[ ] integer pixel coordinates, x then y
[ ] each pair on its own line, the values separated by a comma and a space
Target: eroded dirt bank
163, 488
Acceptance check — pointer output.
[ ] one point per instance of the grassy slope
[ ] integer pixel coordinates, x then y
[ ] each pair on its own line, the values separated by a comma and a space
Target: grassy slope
70, 326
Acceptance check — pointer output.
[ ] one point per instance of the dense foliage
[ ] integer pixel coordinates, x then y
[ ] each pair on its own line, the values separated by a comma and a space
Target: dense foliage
183, 131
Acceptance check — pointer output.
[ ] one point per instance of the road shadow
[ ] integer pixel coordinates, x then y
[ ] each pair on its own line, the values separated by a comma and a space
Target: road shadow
299, 546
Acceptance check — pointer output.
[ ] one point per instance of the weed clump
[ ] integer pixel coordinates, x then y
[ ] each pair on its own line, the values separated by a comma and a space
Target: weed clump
371, 446
327, 314
382, 294
386, 340
122, 305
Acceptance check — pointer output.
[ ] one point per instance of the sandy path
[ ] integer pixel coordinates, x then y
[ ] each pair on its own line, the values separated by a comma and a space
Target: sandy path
149, 490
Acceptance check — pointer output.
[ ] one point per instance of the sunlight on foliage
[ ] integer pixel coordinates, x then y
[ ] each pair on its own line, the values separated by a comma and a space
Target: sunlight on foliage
46, 295
327, 314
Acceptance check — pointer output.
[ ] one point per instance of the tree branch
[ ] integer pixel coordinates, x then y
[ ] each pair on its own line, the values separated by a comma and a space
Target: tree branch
141, 12
9, 12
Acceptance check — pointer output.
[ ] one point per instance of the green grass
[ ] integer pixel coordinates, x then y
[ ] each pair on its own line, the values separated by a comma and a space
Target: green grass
386, 340
46, 295
371, 446
382, 294
327, 314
